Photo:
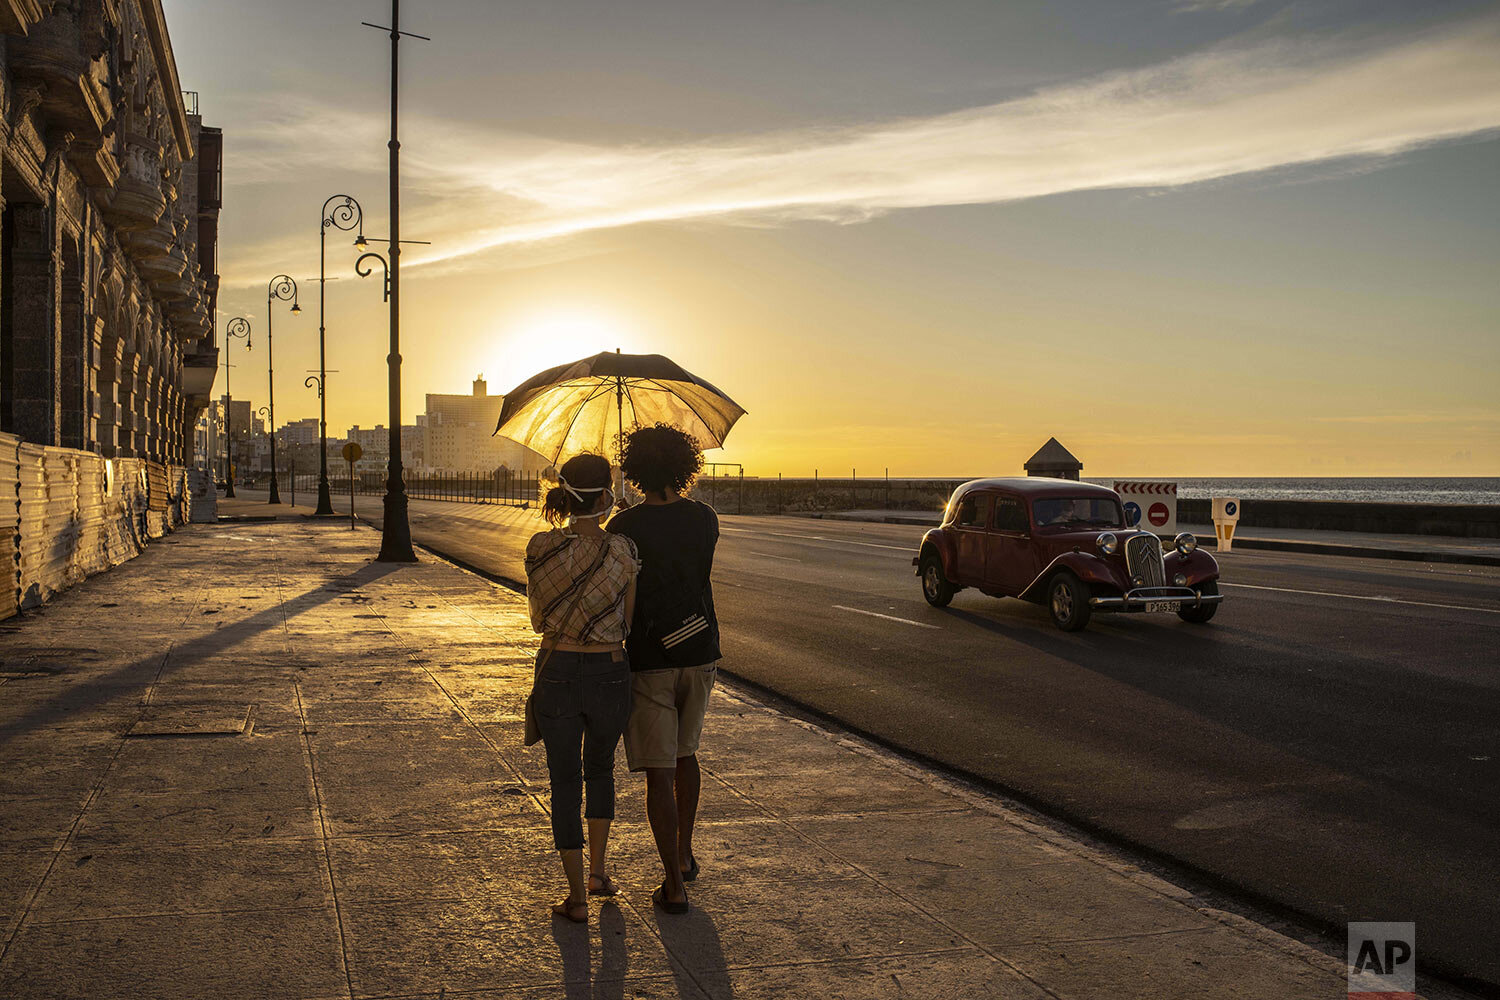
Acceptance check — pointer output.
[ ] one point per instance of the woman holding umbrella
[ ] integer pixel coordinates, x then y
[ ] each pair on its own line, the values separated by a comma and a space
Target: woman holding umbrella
580, 585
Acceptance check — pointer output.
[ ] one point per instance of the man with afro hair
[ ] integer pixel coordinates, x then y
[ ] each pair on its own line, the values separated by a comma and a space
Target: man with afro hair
673, 644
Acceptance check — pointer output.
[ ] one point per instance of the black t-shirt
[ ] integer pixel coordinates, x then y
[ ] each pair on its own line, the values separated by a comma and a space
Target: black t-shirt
676, 545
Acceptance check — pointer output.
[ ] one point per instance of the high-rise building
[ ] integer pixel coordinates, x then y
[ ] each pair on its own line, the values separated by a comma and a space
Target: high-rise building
375, 445
461, 435
298, 433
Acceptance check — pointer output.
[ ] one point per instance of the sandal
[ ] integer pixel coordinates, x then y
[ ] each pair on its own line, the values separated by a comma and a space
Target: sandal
659, 898
566, 912
607, 886
691, 873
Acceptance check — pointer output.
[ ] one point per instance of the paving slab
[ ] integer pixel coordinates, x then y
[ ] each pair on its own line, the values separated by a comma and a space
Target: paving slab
377, 828
1189, 964
92, 882
488, 940
265, 953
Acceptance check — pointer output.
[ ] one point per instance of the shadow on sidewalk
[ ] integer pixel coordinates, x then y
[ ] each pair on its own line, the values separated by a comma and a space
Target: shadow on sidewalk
580, 980
102, 689
692, 940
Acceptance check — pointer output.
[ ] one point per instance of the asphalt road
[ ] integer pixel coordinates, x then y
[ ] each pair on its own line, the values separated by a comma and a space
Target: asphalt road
1330, 742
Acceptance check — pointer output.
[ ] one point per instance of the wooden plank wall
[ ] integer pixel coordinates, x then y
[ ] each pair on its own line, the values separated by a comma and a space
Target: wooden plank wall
74, 514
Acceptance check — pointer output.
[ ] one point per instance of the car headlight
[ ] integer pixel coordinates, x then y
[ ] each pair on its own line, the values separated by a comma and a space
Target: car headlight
1180, 579
1108, 543
1186, 542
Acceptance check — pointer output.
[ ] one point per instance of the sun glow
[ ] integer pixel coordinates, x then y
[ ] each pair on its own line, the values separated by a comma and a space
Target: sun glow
551, 337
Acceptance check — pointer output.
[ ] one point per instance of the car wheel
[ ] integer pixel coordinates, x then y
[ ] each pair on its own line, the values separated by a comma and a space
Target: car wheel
1068, 601
935, 585
1203, 612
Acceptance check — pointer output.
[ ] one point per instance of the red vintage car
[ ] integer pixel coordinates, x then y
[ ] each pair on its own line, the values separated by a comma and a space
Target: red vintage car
1065, 545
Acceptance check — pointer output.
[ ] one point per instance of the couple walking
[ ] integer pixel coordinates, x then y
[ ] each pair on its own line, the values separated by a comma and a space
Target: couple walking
629, 647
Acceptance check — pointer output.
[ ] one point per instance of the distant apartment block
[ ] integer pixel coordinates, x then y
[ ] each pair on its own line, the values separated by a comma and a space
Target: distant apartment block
299, 433
375, 445
460, 435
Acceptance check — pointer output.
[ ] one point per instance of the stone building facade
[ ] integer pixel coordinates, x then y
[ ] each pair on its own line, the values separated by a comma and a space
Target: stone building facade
110, 186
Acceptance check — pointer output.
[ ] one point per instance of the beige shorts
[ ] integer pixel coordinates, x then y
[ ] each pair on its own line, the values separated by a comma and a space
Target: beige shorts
666, 714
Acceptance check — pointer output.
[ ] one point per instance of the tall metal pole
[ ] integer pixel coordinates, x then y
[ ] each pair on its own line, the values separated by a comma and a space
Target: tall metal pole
271, 397
325, 499
346, 214
237, 327
280, 287
395, 532
228, 429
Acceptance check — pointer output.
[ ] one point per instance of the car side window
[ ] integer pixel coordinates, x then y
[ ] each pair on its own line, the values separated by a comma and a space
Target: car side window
973, 511
1010, 515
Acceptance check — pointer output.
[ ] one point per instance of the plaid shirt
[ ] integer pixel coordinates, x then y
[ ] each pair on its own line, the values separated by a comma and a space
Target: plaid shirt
556, 563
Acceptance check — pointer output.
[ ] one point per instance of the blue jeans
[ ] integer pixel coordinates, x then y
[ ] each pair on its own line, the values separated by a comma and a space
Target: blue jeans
582, 704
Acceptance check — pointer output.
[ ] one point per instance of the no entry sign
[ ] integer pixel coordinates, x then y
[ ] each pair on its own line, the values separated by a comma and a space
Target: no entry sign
1150, 506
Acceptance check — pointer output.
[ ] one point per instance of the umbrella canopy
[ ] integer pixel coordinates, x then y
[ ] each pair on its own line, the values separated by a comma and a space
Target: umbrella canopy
586, 405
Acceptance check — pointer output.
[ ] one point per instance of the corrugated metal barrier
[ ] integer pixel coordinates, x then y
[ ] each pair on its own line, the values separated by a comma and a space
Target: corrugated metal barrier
76, 514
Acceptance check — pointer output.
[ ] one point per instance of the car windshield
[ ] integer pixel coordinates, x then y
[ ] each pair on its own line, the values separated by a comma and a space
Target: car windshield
1094, 512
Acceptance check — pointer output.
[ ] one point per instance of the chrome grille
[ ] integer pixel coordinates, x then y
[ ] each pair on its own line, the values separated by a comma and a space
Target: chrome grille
1143, 557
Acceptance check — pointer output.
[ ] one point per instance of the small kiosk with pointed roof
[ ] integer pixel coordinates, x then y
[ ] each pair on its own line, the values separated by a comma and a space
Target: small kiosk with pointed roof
1054, 461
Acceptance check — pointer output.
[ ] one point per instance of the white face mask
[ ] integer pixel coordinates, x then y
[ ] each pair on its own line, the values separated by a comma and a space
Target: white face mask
602, 512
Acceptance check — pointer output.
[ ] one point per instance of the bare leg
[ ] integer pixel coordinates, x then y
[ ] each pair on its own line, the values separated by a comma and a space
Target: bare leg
661, 810
688, 785
576, 906
598, 846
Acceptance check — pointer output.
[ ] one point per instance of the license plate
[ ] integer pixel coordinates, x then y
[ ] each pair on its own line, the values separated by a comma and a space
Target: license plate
1155, 606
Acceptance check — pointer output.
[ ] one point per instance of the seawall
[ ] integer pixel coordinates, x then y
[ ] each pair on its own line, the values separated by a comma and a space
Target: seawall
779, 496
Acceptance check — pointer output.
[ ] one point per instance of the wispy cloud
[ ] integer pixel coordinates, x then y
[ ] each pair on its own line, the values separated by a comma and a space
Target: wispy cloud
1199, 6
1211, 115
1412, 419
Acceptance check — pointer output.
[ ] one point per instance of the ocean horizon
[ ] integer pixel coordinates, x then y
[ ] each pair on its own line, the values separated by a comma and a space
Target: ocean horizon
1366, 489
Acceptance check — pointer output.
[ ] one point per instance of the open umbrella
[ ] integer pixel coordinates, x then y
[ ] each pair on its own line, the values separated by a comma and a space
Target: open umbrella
586, 405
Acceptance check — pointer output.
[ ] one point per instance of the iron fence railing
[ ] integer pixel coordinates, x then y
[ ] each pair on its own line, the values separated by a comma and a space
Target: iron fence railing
512, 489
734, 493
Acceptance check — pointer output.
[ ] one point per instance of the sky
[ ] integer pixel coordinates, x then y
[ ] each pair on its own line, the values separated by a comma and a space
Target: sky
1186, 237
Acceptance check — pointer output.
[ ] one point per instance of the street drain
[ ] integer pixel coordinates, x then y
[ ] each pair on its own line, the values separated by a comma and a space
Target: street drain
193, 720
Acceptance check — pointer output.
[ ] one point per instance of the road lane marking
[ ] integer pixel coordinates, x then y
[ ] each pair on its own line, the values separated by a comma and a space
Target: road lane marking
889, 618
767, 555
822, 538
1365, 597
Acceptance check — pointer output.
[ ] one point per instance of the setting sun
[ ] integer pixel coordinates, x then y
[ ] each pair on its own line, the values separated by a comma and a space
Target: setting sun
547, 337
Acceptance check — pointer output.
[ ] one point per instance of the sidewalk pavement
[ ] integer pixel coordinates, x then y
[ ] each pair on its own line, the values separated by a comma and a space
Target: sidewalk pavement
252, 763
1412, 548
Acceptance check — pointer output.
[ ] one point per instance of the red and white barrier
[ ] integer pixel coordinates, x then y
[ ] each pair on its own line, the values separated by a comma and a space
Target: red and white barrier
1152, 504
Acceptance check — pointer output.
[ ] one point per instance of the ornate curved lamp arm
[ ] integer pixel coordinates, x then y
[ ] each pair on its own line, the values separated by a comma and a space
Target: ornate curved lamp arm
312, 380
239, 327
264, 411
283, 287
364, 272
346, 215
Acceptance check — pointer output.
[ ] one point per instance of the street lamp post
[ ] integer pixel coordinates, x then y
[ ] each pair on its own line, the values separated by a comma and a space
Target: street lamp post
280, 287
237, 327
395, 529
345, 213
265, 411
